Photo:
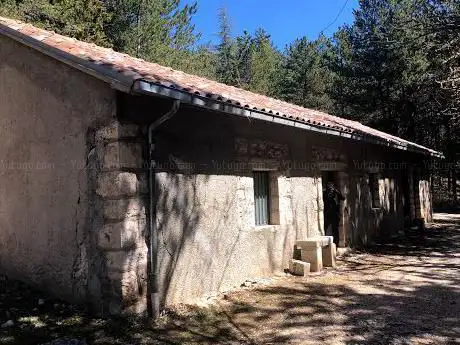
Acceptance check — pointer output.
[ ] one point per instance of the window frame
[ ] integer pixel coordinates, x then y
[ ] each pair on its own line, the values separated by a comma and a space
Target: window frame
262, 197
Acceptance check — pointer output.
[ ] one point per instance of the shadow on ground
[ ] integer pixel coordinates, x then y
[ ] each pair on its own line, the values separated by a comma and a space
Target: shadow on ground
404, 292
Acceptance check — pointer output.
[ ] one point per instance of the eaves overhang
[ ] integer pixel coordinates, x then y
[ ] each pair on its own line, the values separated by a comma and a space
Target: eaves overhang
150, 88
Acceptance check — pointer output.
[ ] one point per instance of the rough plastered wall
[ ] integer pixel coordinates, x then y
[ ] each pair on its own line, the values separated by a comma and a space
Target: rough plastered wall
209, 240
368, 223
47, 112
205, 203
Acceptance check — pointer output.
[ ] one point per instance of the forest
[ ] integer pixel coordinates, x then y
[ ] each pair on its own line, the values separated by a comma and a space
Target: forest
395, 68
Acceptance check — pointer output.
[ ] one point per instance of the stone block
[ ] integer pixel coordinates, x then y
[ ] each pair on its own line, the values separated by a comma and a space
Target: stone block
125, 261
121, 235
117, 130
130, 285
314, 256
124, 208
329, 254
116, 184
299, 268
123, 155
117, 261
318, 251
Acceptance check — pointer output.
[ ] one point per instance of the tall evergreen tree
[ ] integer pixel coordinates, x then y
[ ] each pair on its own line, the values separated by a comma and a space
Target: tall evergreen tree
227, 65
305, 77
381, 77
155, 30
81, 19
265, 64
243, 54
339, 62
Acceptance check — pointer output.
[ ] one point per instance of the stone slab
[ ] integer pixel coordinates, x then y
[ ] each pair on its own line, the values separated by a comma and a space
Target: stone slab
298, 267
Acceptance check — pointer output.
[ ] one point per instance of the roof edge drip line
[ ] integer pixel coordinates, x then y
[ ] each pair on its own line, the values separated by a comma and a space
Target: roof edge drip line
141, 86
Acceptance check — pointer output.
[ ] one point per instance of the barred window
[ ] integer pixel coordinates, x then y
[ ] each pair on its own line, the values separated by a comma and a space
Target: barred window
262, 197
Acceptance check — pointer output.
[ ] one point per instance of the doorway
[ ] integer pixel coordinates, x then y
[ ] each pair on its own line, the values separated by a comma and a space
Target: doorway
406, 181
332, 198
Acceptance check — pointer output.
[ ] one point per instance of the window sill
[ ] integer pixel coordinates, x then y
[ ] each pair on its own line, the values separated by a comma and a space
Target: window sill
272, 228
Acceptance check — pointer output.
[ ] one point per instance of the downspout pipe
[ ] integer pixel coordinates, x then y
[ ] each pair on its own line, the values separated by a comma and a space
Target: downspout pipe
154, 238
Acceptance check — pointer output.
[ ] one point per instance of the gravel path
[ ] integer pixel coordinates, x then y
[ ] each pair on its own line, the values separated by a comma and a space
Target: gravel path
407, 292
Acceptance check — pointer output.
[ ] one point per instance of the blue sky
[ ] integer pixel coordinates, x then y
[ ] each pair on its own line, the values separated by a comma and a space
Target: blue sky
285, 20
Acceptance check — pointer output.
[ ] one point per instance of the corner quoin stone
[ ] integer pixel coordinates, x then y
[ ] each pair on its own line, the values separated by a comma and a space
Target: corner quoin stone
125, 155
117, 184
117, 130
121, 235
124, 208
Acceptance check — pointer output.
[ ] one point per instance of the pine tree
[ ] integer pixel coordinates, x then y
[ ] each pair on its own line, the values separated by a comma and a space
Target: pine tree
339, 62
155, 30
227, 65
243, 54
305, 77
9, 8
82, 19
265, 64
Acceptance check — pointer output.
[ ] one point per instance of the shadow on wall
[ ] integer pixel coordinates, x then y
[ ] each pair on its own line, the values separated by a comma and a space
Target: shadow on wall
209, 242
368, 223
178, 215
203, 242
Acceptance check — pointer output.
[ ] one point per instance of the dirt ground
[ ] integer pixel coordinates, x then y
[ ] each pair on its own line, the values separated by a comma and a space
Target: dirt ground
404, 292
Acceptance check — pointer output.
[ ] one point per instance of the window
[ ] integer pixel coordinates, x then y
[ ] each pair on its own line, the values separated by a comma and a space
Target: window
266, 198
375, 190
262, 197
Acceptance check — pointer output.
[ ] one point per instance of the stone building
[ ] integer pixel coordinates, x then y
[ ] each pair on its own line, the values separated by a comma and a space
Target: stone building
107, 158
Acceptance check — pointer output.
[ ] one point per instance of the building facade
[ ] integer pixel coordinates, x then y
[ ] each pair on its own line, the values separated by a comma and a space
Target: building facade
128, 193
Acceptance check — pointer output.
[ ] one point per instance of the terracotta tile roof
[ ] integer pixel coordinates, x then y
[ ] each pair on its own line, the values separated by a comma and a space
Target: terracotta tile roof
127, 69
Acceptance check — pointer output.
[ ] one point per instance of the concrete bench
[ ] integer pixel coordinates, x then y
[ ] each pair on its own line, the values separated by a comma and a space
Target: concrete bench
318, 251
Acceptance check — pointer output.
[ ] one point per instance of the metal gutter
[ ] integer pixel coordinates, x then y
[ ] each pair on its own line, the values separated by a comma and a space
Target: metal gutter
116, 80
144, 87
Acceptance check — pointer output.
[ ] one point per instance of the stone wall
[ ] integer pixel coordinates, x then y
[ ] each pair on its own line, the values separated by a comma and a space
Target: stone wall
205, 198
74, 185
75, 193
368, 223
48, 113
